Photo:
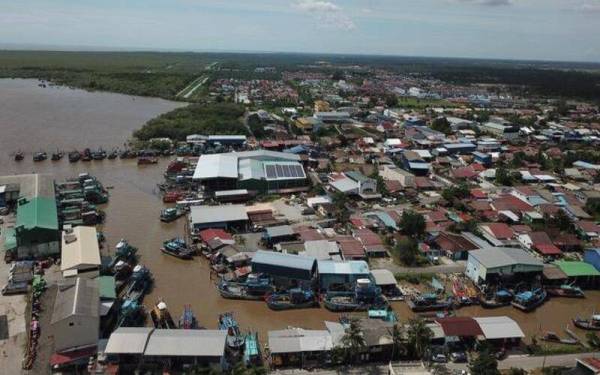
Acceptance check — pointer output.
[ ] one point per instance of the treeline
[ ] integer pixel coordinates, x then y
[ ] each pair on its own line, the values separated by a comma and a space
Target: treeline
217, 118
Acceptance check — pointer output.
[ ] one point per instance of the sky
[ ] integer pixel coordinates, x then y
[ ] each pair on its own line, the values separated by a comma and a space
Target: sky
565, 30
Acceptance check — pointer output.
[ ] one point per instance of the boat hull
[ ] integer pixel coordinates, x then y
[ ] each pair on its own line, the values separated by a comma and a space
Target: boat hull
185, 256
585, 325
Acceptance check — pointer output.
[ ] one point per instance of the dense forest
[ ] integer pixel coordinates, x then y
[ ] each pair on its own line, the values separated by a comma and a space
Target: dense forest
217, 118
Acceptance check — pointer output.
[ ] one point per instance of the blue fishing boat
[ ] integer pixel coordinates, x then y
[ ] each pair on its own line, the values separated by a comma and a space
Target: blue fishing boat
170, 214
565, 290
178, 248
139, 283
252, 355
188, 319
235, 339
529, 300
387, 315
295, 298
132, 314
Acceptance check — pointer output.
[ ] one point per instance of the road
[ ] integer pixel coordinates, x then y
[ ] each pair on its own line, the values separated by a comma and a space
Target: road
455, 267
192, 87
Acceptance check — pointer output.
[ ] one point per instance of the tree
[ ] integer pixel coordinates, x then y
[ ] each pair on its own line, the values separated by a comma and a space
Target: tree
419, 336
412, 224
407, 251
340, 201
353, 341
460, 191
399, 347
441, 124
516, 371
485, 363
592, 206
381, 187
561, 221
391, 101
503, 177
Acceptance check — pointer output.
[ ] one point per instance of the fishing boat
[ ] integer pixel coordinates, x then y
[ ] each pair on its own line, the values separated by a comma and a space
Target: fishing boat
113, 155
364, 296
499, 298
529, 300
387, 315
19, 156
86, 155
74, 156
565, 290
429, 302
188, 319
591, 324
432, 316
124, 251
177, 248
161, 317
235, 339
552, 336
295, 298
40, 156
170, 214
252, 355
145, 160
100, 154
132, 314
139, 283
239, 291
56, 156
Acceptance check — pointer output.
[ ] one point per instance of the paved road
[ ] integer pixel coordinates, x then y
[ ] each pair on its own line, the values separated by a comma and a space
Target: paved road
529, 363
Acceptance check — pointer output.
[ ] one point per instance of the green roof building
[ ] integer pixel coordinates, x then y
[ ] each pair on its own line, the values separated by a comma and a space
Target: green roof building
37, 227
585, 274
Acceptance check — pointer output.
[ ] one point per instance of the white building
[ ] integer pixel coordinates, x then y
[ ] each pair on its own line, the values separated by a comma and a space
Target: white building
500, 261
80, 253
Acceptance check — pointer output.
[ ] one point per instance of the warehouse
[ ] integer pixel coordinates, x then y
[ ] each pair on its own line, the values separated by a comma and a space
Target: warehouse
80, 253
224, 217
501, 262
582, 273
341, 274
299, 347
285, 268
75, 320
500, 331
259, 171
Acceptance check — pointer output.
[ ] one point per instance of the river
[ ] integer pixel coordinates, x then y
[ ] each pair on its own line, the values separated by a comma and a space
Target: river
34, 118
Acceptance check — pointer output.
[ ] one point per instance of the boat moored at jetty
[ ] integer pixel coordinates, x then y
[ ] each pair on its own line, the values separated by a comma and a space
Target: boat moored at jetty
295, 298
529, 300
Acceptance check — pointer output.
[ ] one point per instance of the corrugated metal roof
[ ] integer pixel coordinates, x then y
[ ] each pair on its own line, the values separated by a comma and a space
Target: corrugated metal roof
128, 340
576, 268
499, 327
107, 287
279, 231
216, 166
383, 277
217, 214
283, 260
83, 252
352, 267
38, 212
494, 257
345, 185
186, 343
297, 340
76, 298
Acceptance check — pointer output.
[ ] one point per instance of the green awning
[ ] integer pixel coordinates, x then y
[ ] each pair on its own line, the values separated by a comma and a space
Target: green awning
10, 239
107, 287
576, 268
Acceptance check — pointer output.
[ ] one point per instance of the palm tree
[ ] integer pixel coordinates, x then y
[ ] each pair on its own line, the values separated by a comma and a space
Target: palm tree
419, 336
353, 340
399, 348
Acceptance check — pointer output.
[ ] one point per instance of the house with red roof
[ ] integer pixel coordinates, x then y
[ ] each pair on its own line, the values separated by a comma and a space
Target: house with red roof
215, 239
371, 242
498, 234
540, 242
454, 246
351, 248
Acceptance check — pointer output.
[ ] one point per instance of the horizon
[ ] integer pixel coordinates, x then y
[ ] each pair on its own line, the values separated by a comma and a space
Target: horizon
464, 29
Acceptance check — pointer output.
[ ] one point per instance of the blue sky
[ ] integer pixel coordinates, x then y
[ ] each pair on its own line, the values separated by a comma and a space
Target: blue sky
512, 29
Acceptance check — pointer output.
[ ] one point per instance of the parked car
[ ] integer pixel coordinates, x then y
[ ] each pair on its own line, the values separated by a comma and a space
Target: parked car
458, 357
439, 358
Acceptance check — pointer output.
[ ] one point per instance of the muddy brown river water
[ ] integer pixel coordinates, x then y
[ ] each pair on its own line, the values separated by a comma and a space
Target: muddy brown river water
33, 118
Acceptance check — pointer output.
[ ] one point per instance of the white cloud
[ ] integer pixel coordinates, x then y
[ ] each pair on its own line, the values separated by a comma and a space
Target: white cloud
590, 6
326, 14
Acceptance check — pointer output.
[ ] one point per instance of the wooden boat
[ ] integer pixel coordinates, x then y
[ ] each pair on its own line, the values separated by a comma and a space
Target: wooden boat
591, 324
86, 155
113, 155
500, 298
161, 316
239, 291
146, 160
19, 156
74, 156
235, 339
177, 248
292, 299
40, 156
170, 214
188, 319
565, 290
56, 156
429, 302
529, 300
553, 337
364, 296
100, 154
139, 283
132, 314
387, 315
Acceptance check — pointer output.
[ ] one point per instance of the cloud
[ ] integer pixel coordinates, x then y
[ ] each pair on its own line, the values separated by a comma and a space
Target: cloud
488, 2
590, 6
326, 14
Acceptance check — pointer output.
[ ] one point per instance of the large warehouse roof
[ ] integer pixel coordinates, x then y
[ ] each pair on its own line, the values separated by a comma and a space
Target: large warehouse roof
80, 298
283, 260
186, 343
298, 340
217, 214
80, 248
494, 257
499, 327
216, 166
38, 212
128, 340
